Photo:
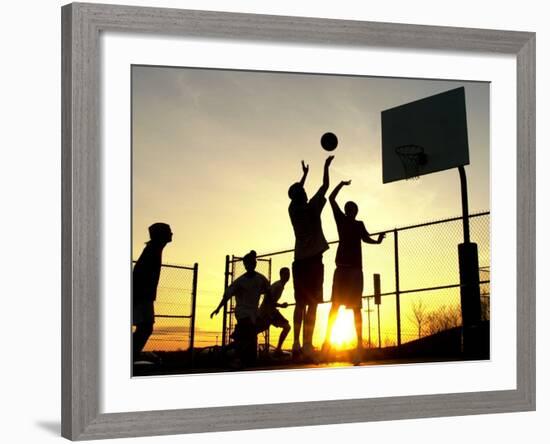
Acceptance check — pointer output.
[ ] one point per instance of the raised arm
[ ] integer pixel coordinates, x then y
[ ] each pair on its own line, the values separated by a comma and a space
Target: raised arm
337, 188
326, 181
305, 170
365, 236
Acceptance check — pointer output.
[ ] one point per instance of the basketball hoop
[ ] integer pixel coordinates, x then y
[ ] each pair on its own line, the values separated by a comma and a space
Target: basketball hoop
412, 157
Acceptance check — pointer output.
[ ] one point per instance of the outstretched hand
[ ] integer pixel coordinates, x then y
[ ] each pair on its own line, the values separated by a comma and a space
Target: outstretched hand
214, 313
305, 168
329, 160
381, 237
346, 182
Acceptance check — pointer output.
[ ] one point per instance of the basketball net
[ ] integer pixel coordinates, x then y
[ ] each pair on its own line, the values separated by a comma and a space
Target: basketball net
412, 158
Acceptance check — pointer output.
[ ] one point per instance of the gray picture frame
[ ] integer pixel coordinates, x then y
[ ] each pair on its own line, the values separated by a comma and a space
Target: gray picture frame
81, 252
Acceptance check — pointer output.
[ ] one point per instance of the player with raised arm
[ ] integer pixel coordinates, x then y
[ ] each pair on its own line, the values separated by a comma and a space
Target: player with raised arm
347, 285
307, 268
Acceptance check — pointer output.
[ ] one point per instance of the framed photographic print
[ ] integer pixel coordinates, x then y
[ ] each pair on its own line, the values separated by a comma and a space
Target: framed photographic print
279, 221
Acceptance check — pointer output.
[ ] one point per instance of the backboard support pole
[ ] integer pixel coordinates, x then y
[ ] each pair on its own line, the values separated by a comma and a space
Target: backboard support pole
468, 261
397, 285
465, 212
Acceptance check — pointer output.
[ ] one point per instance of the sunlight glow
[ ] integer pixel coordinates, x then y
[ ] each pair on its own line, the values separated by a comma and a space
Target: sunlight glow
343, 333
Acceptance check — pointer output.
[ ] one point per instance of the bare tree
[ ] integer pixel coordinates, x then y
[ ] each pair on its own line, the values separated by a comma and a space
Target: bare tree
419, 315
444, 319
485, 290
485, 304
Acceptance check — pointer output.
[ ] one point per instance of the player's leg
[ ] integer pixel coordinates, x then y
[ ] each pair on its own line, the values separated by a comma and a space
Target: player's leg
357, 301
309, 325
315, 276
145, 314
236, 359
297, 319
140, 337
252, 349
300, 288
279, 321
284, 333
334, 306
246, 341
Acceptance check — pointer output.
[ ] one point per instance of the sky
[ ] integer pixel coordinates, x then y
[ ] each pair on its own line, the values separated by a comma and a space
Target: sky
215, 151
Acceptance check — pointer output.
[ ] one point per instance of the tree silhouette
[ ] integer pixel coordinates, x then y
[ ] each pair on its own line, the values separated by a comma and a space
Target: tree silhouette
444, 319
419, 315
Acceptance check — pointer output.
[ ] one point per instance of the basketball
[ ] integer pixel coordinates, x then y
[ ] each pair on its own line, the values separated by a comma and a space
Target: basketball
329, 141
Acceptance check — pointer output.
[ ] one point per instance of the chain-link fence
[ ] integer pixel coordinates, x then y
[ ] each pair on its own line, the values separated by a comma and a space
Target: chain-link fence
420, 283
174, 309
425, 261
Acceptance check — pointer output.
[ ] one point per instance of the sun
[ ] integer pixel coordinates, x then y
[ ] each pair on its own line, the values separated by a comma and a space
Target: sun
343, 333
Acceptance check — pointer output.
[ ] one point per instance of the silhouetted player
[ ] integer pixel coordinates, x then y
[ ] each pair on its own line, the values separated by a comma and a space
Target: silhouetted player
347, 285
268, 313
145, 279
247, 290
307, 269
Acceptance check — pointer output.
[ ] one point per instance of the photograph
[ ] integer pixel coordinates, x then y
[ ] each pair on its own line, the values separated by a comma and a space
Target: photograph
302, 219
288, 220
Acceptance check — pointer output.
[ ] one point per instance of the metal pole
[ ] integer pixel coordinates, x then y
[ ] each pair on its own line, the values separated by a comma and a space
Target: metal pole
468, 262
368, 320
193, 312
225, 285
464, 195
379, 336
397, 289
267, 333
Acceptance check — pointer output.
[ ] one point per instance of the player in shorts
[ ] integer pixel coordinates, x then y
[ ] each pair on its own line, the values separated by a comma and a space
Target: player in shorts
269, 315
347, 285
247, 290
307, 268
145, 279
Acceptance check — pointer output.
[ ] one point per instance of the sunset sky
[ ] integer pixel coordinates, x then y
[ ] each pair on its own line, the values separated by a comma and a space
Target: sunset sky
214, 153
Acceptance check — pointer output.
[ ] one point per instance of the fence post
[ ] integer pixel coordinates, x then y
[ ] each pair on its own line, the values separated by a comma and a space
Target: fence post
379, 335
225, 285
397, 289
368, 318
267, 333
193, 312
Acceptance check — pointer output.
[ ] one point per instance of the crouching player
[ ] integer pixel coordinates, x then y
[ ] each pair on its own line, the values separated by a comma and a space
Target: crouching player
269, 315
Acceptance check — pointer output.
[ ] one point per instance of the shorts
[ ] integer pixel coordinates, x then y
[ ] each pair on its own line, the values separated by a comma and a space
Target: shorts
307, 275
143, 313
347, 287
276, 319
